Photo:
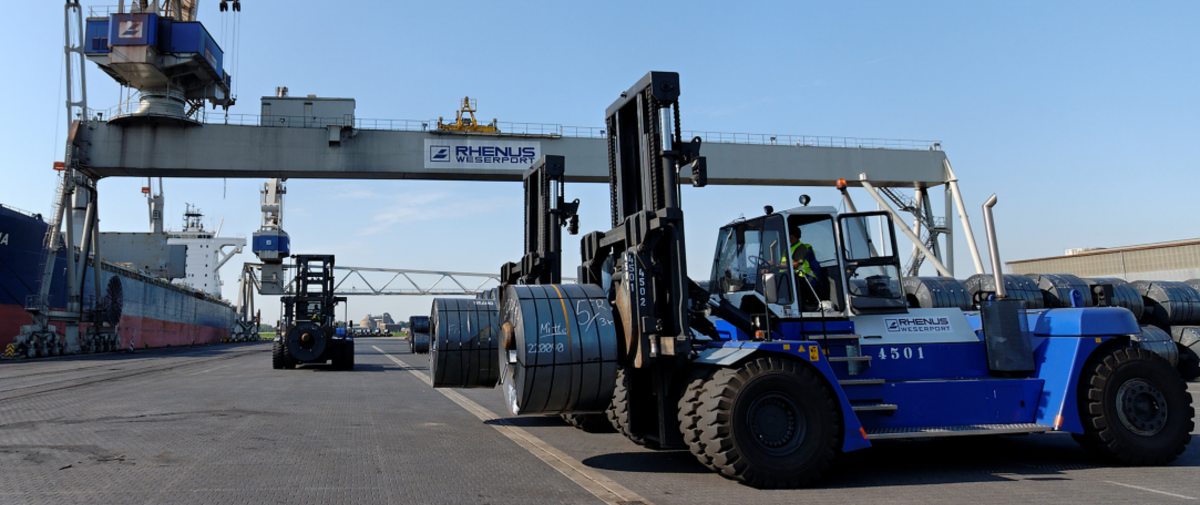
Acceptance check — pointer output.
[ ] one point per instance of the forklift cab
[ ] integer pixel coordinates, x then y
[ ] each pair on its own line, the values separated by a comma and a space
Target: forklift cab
790, 262
871, 263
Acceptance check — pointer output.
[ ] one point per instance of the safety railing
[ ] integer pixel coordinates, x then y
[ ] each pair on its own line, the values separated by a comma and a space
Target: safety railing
535, 129
102, 11
814, 141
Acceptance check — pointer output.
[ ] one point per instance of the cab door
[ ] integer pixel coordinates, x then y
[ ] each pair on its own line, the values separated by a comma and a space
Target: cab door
871, 262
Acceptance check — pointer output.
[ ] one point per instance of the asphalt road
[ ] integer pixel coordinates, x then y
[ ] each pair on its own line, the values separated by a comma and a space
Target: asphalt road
217, 425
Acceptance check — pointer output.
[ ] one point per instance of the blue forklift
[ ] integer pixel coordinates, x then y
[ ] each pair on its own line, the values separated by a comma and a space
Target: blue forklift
801, 346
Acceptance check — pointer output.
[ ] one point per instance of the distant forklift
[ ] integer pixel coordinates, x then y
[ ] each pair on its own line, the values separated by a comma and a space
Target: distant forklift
309, 335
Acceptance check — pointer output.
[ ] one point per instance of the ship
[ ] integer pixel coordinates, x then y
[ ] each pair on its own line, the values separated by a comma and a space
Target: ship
147, 310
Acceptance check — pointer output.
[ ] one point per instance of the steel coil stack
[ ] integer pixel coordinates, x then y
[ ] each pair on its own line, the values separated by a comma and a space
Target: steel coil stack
462, 349
1169, 303
1019, 287
559, 349
418, 334
1187, 340
936, 293
1056, 289
1154, 339
1123, 295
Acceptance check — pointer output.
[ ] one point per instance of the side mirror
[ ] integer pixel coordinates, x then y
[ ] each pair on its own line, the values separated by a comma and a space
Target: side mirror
769, 287
776, 287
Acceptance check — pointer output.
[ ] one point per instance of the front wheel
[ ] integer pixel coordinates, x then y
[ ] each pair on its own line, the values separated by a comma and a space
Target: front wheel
771, 423
277, 350
1135, 409
618, 410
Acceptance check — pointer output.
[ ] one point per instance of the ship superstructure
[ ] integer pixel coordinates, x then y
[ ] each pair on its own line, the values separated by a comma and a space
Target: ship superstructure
206, 252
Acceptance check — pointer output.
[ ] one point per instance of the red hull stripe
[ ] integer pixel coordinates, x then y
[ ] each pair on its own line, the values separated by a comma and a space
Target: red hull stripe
141, 331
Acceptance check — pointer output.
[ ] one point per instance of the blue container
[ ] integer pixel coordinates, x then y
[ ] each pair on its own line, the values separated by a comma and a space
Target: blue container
271, 243
193, 38
96, 37
132, 29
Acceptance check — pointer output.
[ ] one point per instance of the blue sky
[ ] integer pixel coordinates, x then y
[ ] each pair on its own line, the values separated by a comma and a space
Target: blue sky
1082, 116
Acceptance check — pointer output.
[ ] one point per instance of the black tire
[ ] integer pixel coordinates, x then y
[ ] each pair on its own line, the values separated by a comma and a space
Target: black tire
771, 423
277, 350
1135, 409
1189, 361
689, 416
618, 410
343, 357
1187, 341
289, 361
590, 423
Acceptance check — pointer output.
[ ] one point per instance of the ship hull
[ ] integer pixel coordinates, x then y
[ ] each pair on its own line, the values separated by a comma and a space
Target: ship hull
153, 312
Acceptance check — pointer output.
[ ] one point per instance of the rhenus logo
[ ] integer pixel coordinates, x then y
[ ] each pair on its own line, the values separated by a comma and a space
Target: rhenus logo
495, 154
452, 153
917, 324
439, 154
130, 30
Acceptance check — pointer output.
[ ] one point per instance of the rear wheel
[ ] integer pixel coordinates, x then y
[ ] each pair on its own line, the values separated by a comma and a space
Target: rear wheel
1135, 409
769, 424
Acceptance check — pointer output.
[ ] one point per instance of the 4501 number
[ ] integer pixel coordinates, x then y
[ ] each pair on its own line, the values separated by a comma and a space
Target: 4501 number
886, 353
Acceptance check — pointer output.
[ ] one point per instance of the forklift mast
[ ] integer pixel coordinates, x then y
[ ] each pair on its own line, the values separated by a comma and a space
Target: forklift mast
546, 213
646, 244
314, 300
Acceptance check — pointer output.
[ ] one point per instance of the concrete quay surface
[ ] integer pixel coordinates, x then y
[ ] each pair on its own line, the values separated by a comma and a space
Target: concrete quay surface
218, 425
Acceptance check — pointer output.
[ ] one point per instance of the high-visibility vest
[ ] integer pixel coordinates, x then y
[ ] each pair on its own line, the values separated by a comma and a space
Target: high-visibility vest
804, 270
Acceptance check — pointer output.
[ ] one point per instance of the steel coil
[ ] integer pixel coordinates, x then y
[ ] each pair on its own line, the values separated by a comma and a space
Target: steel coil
1169, 303
1187, 340
559, 349
1056, 289
418, 324
420, 343
1194, 283
1018, 287
306, 341
1123, 295
936, 293
462, 347
1158, 341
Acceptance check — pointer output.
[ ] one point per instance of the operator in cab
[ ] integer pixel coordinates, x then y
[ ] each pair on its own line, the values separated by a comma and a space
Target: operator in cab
804, 264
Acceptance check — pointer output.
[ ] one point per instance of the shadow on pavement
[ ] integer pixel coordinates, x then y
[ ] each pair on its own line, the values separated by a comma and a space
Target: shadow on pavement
920, 462
648, 462
530, 422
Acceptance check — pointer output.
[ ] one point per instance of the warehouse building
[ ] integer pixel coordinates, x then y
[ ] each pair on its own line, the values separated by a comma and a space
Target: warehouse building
1163, 261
